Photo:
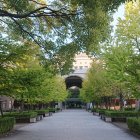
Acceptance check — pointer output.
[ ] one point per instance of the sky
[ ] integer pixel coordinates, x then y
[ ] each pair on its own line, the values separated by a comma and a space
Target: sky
119, 13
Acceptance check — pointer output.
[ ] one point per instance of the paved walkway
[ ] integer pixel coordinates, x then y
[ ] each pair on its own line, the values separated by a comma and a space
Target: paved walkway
70, 125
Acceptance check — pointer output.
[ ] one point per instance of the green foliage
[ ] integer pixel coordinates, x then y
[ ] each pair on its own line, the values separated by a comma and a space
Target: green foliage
101, 111
128, 34
116, 62
122, 113
129, 109
42, 111
134, 124
52, 110
116, 72
97, 84
84, 23
12, 57
6, 124
21, 115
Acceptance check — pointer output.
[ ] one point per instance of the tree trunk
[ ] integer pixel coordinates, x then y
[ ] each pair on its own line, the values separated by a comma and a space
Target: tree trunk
1, 111
121, 101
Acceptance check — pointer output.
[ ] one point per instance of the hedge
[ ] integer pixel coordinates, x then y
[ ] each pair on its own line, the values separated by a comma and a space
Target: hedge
20, 115
134, 125
41, 112
122, 113
52, 110
129, 109
99, 110
94, 110
6, 124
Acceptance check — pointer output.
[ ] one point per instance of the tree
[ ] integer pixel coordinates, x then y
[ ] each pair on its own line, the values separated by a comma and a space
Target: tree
128, 35
60, 60
13, 56
85, 23
116, 61
97, 86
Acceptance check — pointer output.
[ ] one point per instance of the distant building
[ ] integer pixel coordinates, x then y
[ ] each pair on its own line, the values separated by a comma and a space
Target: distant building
6, 102
82, 61
74, 80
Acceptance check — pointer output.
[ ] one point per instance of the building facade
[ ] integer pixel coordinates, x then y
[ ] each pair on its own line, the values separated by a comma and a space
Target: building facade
6, 102
82, 61
81, 64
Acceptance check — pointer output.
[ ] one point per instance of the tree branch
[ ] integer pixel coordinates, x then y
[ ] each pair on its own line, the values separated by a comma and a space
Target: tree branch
30, 34
36, 13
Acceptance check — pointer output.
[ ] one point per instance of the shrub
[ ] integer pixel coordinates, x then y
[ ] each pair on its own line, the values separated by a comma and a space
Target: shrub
129, 109
134, 125
52, 110
94, 110
42, 112
101, 111
6, 124
20, 115
58, 109
122, 113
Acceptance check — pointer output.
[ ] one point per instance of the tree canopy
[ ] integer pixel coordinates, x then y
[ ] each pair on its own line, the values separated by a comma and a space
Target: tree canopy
85, 23
118, 72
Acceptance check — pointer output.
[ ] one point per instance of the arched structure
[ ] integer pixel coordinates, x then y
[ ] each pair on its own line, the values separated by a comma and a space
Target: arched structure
73, 81
73, 85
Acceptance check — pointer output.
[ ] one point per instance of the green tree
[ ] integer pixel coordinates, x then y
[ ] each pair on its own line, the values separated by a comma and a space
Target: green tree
97, 86
116, 61
128, 35
85, 23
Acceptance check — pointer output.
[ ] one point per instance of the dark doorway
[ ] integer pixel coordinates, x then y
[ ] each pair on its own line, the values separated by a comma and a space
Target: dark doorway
73, 84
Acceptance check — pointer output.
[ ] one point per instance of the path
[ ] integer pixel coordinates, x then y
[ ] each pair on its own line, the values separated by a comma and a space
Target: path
71, 125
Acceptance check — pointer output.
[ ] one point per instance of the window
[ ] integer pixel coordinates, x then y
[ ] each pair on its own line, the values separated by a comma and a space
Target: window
81, 67
75, 67
86, 66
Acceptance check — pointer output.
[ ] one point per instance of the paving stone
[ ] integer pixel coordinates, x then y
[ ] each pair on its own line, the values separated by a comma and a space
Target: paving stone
71, 125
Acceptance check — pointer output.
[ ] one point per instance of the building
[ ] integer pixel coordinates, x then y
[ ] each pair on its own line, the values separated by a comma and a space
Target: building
6, 102
74, 80
82, 61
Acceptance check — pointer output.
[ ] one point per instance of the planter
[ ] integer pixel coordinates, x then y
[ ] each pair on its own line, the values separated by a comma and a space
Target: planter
108, 119
46, 115
39, 117
113, 119
50, 113
26, 120
96, 113
32, 120
102, 117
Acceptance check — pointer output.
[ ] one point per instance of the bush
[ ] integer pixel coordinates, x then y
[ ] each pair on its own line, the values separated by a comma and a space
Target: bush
134, 125
42, 112
52, 110
122, 113
94, 110
20, 115
101, 111
129, 109
6, 124
58, 109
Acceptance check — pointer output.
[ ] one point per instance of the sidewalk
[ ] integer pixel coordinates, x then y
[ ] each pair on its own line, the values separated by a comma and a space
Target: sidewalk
70, 125
125, 128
